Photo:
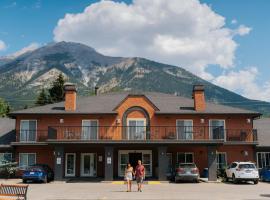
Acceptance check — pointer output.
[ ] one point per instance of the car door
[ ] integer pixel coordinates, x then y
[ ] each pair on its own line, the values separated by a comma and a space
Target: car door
231, 170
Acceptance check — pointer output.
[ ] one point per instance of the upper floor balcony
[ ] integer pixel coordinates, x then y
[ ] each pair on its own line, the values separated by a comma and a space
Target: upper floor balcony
169, 134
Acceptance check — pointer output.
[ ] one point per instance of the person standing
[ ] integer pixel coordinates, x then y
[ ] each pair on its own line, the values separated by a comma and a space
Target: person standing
128, 176
140, 175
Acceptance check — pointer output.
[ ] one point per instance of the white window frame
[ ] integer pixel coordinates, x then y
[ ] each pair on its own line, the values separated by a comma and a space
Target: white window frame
135, 151
4, 153
24, 120
82, 161
27, 159
185, 153
225, 153
209, 125
97, 125
264, 162
137, 119
184, 122
74, 165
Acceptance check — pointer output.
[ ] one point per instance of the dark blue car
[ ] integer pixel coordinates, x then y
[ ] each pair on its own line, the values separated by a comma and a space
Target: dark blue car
265, 173
38, 172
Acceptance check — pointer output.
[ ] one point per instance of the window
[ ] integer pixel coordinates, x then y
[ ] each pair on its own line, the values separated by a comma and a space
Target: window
27, 159
5, 158
89, 129
136, 129
221, 160
185, 157
28, 130
70, 164
233, 165
184, 129
263, 159
216, 129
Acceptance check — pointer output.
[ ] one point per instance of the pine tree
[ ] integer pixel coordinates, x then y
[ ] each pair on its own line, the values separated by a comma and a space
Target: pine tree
56, 92
42, 98
4, 108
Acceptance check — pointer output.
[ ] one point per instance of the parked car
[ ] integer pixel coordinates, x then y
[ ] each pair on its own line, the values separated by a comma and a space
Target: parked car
38, 172
242, 171
187, 172
265, 173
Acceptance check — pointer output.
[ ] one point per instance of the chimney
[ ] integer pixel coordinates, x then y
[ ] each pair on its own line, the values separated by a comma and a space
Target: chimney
70, 97
96, 90
199, 99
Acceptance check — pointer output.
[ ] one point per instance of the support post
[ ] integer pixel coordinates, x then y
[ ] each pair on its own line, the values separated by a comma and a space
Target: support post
212, 163
162, 163
58, 163
108, 163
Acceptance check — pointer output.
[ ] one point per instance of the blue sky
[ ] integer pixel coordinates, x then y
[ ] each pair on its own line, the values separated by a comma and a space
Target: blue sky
35, 21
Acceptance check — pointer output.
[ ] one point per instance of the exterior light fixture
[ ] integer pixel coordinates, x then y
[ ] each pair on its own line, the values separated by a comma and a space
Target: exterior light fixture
248, 120
61, 121
202, 120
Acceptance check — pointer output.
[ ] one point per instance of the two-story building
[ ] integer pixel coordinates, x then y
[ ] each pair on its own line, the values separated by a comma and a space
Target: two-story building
97, 136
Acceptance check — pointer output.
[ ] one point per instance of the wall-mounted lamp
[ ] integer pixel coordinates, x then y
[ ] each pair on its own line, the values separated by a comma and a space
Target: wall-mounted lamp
202, 120
118, 121
61, 121
245, 153
248, 120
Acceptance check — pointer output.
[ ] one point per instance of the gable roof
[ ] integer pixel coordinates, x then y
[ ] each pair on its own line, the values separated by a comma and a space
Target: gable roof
106, 103
7, 132
263, 128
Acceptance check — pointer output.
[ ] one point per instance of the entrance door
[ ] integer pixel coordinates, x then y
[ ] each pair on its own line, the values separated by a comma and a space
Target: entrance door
70, 164
133, 159
88, 164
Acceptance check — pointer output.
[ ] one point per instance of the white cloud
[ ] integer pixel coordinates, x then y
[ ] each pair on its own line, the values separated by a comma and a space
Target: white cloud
30, 47
234, 21
2, 45
244, 82
185, 33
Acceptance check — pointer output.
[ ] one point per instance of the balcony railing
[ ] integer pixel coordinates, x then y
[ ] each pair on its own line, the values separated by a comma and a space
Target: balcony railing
152, 133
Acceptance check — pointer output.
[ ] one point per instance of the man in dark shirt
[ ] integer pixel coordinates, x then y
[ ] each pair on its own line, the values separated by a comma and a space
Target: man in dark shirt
139, 174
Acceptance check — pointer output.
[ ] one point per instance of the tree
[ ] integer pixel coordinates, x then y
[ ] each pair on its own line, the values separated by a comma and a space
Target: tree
4, 108
56, 92
42, 98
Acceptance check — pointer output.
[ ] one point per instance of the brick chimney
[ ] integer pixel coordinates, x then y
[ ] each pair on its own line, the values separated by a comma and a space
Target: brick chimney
70, 97
199, 99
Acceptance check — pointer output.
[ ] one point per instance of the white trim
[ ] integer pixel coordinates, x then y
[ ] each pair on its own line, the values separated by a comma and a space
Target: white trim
209, 132
74, 165
257, 156
188, 126
193, 158
24, 120
97, 125
82, 162
135, 151
27, 159
225, 153
137, 119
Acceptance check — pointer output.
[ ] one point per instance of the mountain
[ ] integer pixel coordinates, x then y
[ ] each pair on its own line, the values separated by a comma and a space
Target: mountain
22, 77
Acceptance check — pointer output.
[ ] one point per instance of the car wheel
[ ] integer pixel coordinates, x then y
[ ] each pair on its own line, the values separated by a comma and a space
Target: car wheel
24, 181
45, 179
256, 182
234, 179
226, 179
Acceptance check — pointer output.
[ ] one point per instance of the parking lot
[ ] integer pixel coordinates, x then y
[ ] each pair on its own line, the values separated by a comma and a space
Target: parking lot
87, 190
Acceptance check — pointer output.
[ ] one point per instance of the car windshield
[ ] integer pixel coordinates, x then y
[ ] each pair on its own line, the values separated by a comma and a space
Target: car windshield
35, 168
247, 166
186, 165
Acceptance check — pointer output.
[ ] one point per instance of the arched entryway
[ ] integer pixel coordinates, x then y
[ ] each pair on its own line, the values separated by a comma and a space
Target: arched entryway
126, 123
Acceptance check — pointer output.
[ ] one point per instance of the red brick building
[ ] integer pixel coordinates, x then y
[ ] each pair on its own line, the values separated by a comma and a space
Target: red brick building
96, 136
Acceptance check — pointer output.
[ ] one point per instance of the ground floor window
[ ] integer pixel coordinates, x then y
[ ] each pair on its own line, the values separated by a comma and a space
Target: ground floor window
27, 159
5, 158
263, 159
88, 164
70, 164
185, 157
132, 157
221, 160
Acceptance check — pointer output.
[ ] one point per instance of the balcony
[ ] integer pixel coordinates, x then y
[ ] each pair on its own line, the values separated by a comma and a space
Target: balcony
31, 136
177, 134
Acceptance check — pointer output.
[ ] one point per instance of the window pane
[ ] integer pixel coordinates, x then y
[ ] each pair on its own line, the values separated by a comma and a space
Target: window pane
147, 169
123, 159
181, 158
23, 160
31, 159
189, 158
146, 159
217, 129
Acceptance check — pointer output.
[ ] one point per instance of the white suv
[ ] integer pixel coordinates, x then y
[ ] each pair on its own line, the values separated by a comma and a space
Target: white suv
242, 171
